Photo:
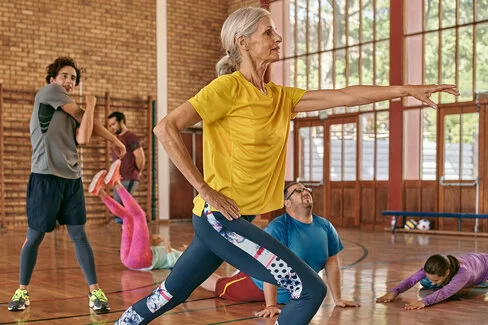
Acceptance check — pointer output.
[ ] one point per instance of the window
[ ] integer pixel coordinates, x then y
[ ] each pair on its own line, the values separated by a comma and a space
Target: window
343, 152
329, 45
461, 145
419, 144
333, 44
311, 153
367, 146
443, 46
374, 146
382, 145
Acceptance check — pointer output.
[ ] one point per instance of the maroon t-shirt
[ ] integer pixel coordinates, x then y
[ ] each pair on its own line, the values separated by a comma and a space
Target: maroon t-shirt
128, 168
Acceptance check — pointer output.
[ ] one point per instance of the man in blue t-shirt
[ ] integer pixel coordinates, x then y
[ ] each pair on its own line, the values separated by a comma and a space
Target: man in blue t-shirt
310, 237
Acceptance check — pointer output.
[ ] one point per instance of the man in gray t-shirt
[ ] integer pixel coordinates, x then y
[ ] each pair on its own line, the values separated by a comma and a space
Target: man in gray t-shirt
55, 189
53, 134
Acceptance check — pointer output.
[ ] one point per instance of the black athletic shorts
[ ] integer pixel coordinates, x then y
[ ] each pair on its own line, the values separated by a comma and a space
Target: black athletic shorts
51, 198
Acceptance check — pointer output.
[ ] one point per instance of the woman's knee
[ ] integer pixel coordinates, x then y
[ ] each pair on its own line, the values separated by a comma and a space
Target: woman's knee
316, 291
320, 290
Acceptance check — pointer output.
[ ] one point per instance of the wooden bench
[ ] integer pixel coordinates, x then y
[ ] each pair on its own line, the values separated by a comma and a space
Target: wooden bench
458, 215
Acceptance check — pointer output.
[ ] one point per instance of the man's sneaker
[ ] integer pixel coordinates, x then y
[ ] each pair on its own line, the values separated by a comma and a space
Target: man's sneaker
19, 301
113, 174
98, 301
97, 182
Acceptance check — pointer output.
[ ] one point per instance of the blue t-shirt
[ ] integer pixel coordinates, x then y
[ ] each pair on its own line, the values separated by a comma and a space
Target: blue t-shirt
314, 243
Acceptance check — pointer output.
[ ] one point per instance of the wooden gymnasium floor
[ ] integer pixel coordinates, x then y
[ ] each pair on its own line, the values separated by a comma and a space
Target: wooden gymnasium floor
372, 262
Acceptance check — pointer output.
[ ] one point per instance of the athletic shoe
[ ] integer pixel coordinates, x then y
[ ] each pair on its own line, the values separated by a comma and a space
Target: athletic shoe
19, 301
97, 182
98, 301
113, 174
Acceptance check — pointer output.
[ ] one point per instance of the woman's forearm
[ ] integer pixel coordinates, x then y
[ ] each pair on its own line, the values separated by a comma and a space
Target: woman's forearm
169, 136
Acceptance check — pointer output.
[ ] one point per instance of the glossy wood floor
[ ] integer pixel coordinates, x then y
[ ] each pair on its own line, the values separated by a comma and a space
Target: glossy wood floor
372, 262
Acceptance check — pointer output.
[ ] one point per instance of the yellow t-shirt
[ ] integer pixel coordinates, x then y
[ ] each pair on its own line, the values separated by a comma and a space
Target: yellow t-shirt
245, 135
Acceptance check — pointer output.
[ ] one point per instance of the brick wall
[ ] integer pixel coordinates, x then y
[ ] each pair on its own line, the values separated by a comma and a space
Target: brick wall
114, 41
115, 44
15, 163
193, 50
194, 44
236, 4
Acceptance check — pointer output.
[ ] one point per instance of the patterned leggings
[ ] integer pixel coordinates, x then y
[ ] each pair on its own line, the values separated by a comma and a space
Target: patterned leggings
135, 249
247, 248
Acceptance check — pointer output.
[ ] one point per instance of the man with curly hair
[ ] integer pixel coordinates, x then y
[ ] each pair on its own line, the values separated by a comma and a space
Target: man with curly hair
55, 190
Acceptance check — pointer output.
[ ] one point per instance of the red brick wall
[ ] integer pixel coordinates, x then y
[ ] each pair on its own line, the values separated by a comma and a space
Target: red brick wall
193, 50
194, 44
115, 44
236, 4
16, 156
114, 41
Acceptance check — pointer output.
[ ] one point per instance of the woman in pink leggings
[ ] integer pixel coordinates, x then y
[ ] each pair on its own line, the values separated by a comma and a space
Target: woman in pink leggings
136, 252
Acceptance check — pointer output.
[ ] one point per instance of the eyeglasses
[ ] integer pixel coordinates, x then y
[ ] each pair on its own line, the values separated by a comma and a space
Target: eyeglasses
299, 190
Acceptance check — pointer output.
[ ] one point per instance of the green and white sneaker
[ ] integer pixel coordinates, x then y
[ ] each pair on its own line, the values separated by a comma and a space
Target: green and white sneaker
19, 301
98, 301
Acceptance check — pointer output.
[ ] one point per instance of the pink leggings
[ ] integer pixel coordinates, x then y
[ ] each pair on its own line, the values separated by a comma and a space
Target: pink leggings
135, 249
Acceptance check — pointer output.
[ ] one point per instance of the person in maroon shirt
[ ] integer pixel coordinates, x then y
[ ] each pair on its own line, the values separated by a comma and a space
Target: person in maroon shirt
133, 162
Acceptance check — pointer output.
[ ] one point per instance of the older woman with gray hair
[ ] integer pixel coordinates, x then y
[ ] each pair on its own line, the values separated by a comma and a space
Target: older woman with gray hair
246, 123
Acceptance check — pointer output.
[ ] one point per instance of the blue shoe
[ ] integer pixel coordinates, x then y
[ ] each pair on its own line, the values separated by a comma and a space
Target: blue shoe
118, 220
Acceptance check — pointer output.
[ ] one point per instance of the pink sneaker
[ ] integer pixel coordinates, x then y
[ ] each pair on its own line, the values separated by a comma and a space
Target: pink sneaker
97, 182
113, 174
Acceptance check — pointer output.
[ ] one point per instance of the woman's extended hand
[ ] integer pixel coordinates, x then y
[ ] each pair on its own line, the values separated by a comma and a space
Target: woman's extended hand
423, 92
221, 203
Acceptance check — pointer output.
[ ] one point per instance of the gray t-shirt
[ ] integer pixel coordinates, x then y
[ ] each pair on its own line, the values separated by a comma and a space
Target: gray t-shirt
53, 134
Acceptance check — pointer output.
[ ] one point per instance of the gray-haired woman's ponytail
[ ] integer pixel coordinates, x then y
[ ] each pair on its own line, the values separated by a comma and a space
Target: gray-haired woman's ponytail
225, 66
